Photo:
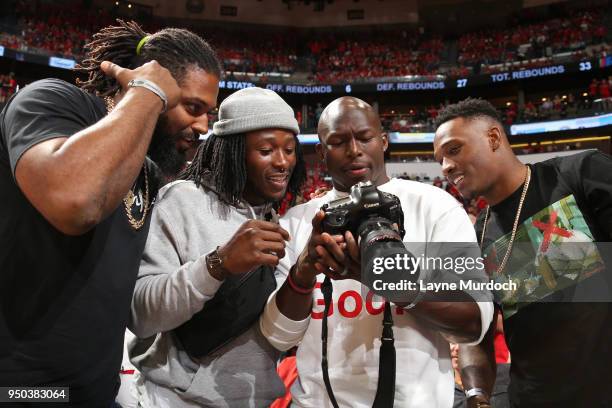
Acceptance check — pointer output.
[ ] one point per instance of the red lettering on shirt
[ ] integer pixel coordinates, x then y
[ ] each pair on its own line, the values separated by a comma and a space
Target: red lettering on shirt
372, 307
342, 304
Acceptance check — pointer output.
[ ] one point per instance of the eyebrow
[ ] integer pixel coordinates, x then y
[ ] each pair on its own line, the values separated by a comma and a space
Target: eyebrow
198, 100
358, 132
448, 141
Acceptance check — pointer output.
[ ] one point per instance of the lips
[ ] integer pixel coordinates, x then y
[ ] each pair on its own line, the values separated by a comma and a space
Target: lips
457, 180
279, 181
356, 169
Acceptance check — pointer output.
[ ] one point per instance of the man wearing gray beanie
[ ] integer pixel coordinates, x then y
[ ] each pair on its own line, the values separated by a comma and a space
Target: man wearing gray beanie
207, 268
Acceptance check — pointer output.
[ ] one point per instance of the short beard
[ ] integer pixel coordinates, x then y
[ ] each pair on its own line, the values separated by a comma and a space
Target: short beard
164, 153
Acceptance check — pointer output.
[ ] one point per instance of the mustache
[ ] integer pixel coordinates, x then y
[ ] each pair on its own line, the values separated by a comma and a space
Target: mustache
189, 136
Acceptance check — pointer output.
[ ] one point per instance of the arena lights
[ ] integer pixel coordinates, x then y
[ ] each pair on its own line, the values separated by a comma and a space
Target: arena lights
559, 125
514, 146
526, 128
64, 63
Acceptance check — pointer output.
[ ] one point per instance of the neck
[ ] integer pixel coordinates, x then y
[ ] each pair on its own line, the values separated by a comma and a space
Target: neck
255, 202
512, 177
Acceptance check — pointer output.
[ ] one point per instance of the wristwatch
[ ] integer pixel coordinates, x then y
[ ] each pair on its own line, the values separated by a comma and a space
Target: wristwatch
214, 263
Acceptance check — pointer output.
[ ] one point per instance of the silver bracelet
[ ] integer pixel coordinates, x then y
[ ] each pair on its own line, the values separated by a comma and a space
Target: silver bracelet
151, 86
472, 392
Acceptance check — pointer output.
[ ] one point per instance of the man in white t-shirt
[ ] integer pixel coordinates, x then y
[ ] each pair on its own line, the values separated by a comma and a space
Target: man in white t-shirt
353, 146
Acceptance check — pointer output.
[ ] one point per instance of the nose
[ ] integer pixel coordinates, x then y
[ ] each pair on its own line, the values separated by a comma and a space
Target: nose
200, 125
352, 148
280, 160
447, 167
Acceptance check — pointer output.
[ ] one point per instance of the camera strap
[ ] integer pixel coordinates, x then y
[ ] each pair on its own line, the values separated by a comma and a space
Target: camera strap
385, 392
326, 288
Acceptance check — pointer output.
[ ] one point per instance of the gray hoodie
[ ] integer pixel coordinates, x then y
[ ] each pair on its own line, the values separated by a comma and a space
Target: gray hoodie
173, 284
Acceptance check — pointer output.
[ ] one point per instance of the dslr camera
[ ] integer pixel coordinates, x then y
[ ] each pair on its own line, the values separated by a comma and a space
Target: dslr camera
372, 216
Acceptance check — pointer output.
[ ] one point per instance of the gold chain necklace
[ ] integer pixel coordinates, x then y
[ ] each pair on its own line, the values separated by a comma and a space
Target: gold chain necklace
129, 200
130, 197
110, 103
514, 227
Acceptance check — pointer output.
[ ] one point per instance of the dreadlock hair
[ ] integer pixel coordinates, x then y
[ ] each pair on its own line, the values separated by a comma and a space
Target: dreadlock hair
220, 164
468, 108
175, 49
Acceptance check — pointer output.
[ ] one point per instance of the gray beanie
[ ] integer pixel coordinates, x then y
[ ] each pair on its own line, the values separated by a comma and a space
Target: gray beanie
252, 109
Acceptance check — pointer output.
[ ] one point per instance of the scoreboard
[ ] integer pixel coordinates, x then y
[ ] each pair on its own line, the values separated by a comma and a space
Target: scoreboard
412, 84
440, 82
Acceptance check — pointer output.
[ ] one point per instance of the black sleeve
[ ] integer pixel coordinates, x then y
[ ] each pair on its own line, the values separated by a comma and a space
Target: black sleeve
44, 110
592, 176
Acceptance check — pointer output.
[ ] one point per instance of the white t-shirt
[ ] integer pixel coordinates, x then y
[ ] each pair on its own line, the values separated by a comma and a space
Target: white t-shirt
424, 376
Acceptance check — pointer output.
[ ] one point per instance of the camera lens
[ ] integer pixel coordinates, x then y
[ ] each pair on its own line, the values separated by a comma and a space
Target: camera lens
376, 229
377, 238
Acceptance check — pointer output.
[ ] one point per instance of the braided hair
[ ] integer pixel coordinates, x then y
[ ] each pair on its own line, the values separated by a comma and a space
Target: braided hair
175, 49
220, 164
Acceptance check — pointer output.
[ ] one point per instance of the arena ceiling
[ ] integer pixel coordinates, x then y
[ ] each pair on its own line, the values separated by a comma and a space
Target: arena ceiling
330, 13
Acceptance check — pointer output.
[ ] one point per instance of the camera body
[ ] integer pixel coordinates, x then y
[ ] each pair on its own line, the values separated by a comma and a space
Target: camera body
366, 211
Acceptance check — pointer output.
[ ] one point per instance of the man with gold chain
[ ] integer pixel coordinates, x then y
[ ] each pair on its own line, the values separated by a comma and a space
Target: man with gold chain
547, 229
77, 192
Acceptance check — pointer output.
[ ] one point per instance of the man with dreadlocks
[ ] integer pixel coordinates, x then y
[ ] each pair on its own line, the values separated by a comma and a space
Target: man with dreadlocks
77, 197
207, 268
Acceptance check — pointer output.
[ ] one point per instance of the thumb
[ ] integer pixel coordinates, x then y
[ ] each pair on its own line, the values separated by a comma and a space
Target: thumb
316, 221
111, 69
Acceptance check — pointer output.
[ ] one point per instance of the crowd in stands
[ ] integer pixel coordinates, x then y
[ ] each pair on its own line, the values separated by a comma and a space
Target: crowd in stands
8, 86
560, 106
592, 101
413, 120
264, 52
395, 53
54, 29
328, 57
531, 41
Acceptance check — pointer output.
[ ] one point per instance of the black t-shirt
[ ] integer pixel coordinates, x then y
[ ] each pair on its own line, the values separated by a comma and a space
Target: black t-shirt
64, 300
560, 349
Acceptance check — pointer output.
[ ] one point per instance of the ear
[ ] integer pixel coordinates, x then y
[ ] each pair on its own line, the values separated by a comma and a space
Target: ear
494, 136
385, 140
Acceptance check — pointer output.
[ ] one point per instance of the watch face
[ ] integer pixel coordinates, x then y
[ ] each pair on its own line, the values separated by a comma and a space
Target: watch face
213, 260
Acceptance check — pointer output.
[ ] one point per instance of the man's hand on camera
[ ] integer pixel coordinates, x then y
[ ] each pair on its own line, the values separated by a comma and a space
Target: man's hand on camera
322, 253
151, 71
351, 266
255, 243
